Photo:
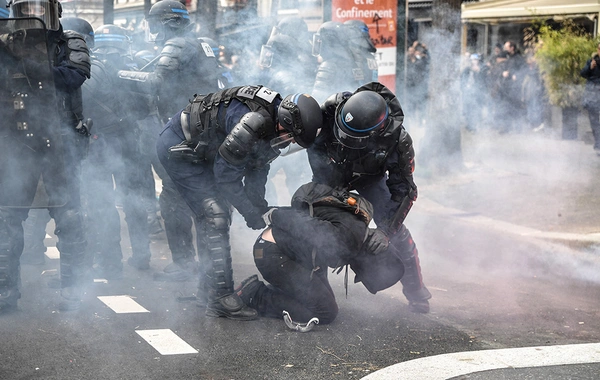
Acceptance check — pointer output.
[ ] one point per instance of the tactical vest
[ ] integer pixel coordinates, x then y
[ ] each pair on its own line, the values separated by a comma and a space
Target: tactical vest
206, 129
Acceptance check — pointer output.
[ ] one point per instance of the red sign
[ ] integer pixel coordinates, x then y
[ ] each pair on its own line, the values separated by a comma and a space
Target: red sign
381, 18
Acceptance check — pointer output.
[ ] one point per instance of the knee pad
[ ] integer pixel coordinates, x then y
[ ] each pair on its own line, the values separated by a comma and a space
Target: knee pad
69, 222
217, 215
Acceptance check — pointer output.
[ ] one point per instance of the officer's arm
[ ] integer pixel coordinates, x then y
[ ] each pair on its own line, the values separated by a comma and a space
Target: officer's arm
255, 180
401, 165
169, 61
231, 160
70, 74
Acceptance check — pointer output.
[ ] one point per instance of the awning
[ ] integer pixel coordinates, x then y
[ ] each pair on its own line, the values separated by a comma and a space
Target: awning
495, 11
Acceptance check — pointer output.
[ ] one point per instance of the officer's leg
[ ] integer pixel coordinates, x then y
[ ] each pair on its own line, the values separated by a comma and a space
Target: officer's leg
11, 246
69, 220
128, 178
102, 220
34, 229
221, 300
178, 222
71, 245
412, 281
413, 288
304, 294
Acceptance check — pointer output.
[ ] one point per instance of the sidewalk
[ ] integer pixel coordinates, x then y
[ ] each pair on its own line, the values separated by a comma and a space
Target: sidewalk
545, 185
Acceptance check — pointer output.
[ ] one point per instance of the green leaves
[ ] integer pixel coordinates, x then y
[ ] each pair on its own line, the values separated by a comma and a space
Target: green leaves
561, 54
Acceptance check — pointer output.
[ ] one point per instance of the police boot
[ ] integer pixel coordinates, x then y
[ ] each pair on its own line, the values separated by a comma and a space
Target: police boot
73, 274
70, 298
8, 299
230, 306
412, 282
181, 271
139, 262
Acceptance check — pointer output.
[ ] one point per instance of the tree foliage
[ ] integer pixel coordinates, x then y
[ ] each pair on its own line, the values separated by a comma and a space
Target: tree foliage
561, 54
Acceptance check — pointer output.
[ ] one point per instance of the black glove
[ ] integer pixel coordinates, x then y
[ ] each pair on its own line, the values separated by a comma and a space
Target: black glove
255, 221
377, 241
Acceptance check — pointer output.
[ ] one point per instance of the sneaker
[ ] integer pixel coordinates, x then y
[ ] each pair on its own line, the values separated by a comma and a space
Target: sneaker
232, 307
139, 263
247, 290
421, 307
71, 298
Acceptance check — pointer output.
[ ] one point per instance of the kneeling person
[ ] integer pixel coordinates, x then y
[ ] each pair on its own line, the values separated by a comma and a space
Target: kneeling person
323, 228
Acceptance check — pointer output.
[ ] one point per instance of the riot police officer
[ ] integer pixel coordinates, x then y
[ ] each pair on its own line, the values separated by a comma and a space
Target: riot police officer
185, 66
114, 157
217, 152
363, 146
46, 146
338, 70
363, 49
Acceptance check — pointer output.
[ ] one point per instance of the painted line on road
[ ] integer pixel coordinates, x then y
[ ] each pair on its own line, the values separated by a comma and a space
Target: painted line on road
52, 253
166, 342
122, 304
441, 367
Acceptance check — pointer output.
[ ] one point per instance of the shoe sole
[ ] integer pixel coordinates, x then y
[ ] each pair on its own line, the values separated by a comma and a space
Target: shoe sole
217, 314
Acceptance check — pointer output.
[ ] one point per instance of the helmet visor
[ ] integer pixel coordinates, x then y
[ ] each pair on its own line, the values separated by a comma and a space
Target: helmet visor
47, 11
349, 141
266, 56
282, 141
316, 48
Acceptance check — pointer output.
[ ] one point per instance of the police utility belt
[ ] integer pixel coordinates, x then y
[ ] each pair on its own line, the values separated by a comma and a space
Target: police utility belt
188, 150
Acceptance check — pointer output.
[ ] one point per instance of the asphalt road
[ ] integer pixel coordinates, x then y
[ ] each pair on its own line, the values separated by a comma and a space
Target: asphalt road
490, 290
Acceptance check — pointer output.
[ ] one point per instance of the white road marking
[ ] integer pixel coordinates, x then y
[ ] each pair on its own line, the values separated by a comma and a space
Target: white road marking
52, 253
446, 366
122, 304
166, 342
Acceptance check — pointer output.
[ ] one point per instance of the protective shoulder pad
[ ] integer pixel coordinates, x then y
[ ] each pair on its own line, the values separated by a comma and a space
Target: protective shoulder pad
239, 142
78, 52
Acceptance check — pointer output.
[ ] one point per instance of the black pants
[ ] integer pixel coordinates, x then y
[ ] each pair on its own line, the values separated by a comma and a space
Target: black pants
291, 287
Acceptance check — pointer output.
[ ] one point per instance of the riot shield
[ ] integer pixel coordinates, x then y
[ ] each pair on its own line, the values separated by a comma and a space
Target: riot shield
31, 147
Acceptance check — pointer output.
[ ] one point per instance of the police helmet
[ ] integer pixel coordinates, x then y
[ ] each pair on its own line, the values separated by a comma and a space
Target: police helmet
165, 18
49, 11
329, 35
292, 26
3, 9
112, 39
81, 26
359, 35
358, 118
279, 46
300, 115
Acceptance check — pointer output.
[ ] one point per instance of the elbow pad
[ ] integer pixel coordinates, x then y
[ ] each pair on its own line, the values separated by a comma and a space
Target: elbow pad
78, 53
406, 154
239, 142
